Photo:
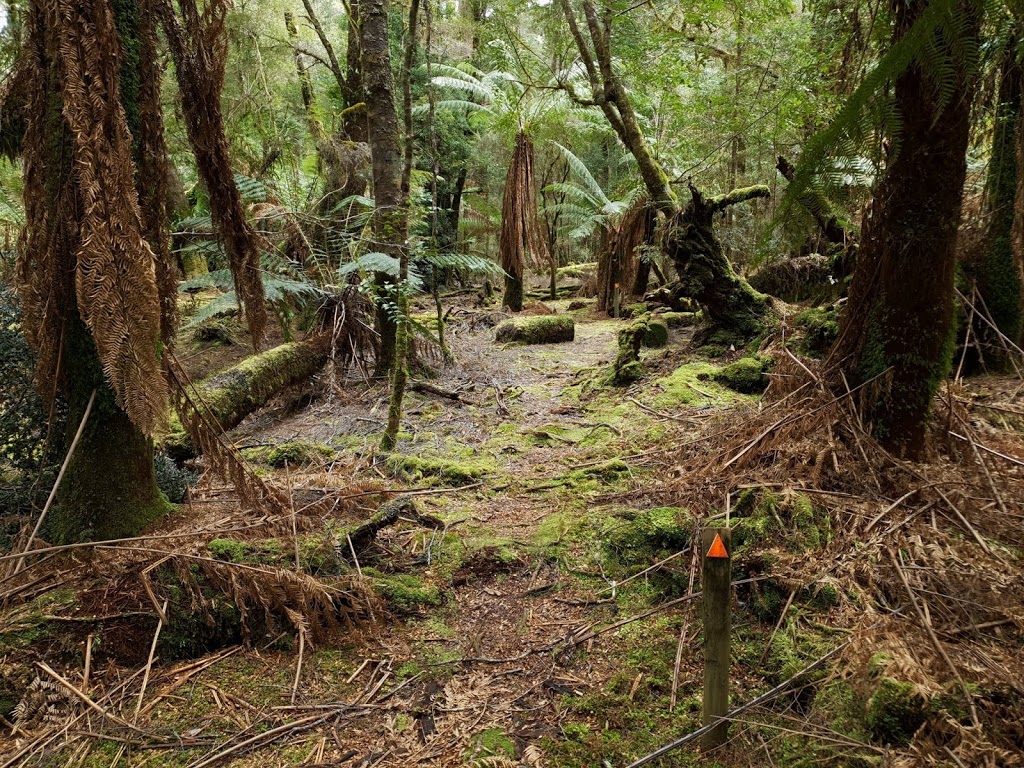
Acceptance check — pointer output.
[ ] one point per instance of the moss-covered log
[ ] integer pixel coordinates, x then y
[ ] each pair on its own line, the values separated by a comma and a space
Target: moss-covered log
728, 301
545, 329
235, 393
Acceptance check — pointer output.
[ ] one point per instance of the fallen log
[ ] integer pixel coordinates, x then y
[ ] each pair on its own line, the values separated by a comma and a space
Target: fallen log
542, 329
233, 394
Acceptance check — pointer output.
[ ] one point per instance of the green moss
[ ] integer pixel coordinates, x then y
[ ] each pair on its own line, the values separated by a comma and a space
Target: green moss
633, 540
895, 711
748, 375
693, 384
790, 519
656, 334
491, 743
608, 471
293, 453
821, 329
405, 593
577, 271
679, 319
540, 329
447, 473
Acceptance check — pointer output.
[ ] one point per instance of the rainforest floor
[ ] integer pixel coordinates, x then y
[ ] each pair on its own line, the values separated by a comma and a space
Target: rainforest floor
536, 600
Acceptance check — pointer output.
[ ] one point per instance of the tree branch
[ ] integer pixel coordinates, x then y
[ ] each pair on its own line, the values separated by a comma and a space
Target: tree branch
737, 196
335, 67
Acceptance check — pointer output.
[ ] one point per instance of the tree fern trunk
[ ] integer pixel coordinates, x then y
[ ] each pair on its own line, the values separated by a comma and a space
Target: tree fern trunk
109, 489
904, 336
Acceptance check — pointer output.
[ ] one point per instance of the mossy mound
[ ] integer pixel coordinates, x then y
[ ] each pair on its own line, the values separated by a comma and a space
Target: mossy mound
693, 384
895, 711
540, 329
448, 473
791, 519
656, 334
577, 271
748, 375
821, 329
293, 453
679, 319
405, 594
633, 540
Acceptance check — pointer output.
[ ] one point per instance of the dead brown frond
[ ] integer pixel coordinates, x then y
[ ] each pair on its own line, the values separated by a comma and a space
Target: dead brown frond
198, 43
348, 316
83, 250
624, 246
271, 599
521, 238
222, 456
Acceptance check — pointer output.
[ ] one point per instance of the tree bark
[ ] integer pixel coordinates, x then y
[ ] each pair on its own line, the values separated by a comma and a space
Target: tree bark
905, 337
998, 276
386, 156
109, 489
728, 301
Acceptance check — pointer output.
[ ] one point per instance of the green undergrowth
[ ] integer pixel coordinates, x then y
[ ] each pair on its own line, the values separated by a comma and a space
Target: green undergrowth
763, 519
293, 453
693, 384
431, 471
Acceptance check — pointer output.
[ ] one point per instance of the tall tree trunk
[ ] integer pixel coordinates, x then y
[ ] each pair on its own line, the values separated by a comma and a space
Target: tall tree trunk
90, 290
999, 280
198, 44
713, 275
905, 337
386, 153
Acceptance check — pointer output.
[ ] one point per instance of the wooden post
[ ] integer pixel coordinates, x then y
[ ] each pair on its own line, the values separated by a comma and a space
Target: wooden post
717, 609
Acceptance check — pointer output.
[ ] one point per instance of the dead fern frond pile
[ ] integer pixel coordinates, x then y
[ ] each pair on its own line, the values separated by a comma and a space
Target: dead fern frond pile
922, 559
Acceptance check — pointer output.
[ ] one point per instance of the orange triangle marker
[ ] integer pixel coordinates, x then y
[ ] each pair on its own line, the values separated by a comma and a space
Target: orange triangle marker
717, 548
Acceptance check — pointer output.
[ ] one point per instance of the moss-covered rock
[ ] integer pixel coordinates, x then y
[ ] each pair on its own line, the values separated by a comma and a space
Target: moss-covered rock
895, 711
627, 367
293, 453
748, 375
633, 540
790, 519
656, 334
679, 319
449, 473
544, 329
406, 594
821, 329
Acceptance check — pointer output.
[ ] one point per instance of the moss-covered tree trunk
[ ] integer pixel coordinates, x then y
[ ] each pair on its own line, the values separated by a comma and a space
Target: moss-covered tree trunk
705, 274
897, 324
998, 276
109, 489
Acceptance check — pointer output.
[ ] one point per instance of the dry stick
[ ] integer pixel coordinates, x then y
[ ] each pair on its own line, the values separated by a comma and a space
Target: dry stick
273, 733
970, 528
926, 622
617, 584
298, 665
887, 510
56, 484
291, 506
768, 696
675, 671
984, 465
985, 448
149, 662
88, 662
778, 626
88, 702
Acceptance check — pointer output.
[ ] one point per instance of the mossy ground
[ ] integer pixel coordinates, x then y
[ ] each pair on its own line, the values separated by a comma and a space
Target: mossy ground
541, 537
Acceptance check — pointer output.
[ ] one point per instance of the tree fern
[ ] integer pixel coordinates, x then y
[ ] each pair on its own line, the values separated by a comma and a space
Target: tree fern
869, 111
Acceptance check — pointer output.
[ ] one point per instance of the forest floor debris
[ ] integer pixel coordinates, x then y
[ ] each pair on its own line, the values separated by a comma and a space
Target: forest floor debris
543, 612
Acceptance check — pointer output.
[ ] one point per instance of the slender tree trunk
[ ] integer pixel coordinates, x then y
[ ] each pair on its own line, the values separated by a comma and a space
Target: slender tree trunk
400, 373
386, 154
110, 486
904, 337
999, 280
711, 275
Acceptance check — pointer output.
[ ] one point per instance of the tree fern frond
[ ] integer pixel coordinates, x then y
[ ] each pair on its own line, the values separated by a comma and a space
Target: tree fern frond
583, 175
